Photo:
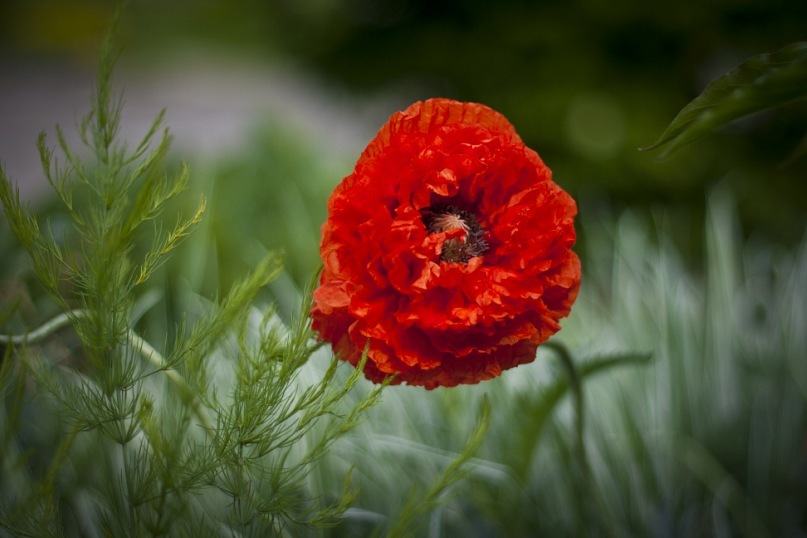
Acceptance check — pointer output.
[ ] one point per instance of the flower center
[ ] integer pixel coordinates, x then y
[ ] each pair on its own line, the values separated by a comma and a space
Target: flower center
463, 246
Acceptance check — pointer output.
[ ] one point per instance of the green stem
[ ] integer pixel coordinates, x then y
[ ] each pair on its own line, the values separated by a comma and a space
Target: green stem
154, 357
49, 481
577, 391
129, 490
580, 447
47, 328
587, 486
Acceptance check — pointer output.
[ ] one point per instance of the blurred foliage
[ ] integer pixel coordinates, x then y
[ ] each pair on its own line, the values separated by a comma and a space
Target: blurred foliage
704, 440
214, 429
759, 83
707, 439
584, 82
280, 189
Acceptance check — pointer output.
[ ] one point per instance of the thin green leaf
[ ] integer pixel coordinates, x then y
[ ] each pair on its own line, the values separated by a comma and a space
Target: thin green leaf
168, 243
421, 502
761, 82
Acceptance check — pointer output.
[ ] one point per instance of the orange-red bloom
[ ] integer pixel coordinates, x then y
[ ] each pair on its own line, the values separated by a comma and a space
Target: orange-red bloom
447, 251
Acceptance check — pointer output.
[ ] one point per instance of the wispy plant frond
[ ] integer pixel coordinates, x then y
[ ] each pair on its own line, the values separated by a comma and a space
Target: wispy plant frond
211, 432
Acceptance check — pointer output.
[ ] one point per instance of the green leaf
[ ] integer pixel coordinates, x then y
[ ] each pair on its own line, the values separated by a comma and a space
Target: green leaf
761, 82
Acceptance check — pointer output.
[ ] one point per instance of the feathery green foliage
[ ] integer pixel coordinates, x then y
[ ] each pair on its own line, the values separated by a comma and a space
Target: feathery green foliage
211, 433
213, 430
424, 502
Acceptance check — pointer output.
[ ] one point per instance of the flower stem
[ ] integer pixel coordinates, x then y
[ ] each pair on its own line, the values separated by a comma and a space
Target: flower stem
587, 485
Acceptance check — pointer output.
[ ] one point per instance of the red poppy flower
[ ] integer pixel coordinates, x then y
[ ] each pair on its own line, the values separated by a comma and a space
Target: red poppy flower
447, 251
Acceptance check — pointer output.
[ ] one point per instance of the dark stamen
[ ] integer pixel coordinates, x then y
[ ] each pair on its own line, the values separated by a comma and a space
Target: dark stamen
445, 218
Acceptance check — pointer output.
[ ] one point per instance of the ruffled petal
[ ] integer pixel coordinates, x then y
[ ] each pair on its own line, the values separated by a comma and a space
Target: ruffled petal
387, 284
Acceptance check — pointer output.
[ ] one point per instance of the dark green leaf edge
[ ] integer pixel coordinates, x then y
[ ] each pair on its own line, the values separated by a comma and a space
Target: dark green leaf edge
761, 82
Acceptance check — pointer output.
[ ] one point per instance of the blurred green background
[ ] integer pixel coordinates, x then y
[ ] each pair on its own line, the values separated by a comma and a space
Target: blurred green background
698, 259
585, 83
